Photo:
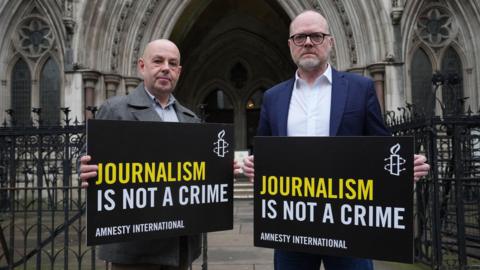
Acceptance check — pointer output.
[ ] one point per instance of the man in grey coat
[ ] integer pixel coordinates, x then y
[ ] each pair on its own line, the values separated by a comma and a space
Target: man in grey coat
150, 101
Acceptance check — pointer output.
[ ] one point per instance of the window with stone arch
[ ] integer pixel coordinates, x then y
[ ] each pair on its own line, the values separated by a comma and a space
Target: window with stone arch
421, 72
34, 42
452, 90
50, 92
21, 93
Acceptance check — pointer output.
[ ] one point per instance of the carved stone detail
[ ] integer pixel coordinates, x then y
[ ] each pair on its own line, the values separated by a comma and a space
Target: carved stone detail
348, 30
111, 84
90, 78
436, 26
34, 36
119, 30
131, 83
141, 31
68, 19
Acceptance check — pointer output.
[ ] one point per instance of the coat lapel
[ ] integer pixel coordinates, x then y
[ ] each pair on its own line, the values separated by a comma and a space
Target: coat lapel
184, 115
141, 105
283, 105
146, 115
339, 99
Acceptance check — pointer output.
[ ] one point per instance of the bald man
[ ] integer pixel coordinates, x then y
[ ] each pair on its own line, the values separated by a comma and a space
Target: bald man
152, 100
320, 101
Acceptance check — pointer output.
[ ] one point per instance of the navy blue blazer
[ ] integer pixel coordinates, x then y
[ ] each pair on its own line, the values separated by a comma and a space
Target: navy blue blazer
355, 110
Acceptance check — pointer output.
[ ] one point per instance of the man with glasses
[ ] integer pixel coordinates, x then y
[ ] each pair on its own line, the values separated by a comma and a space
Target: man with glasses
320, 101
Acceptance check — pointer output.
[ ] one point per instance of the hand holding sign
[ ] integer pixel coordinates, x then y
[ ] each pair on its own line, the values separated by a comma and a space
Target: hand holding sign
87, 171
420, 167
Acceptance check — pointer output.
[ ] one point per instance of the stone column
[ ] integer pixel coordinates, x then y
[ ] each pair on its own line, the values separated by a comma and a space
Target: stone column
90, 78
4, 105
378, 74
131, 83
111, 84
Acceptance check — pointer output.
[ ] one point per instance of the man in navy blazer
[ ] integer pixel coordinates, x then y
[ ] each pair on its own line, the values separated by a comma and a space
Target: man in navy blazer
320, 101
354, 108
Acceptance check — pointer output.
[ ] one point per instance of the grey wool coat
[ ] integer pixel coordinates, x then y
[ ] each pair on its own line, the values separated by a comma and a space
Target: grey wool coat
165, 251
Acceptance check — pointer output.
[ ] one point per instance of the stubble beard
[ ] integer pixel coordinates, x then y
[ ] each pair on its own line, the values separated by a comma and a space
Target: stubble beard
309, 63
160, 91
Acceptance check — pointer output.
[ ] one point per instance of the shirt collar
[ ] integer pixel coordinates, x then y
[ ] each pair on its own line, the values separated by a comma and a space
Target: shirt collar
171, 99
327, 74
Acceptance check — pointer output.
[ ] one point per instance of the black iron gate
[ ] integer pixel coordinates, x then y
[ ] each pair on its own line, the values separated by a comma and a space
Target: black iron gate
42, 225
447, 219
41, 222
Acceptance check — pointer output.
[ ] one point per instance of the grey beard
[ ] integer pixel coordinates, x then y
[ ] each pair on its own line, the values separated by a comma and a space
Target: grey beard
309, 64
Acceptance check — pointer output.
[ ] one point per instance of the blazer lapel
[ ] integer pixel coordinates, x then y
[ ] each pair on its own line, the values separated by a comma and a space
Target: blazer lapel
283, 105
339, 98
141, 105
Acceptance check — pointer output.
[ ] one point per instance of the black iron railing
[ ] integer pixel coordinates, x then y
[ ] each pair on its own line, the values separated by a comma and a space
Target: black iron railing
41, 203
447, 219
42, 206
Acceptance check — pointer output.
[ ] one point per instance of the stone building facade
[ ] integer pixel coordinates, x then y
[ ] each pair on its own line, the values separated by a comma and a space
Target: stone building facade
56, 54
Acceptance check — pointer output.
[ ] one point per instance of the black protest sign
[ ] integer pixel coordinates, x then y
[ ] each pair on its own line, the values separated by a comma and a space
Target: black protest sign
340, 196
158, 179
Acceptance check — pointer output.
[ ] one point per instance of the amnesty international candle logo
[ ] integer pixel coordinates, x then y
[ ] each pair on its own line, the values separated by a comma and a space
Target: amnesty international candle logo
155, 181
328, 195
221, 145
395, 161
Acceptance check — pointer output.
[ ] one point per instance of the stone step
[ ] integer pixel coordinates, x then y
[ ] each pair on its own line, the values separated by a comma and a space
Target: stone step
242, 190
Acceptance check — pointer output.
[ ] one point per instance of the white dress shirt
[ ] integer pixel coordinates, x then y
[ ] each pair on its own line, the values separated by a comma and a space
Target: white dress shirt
309, 112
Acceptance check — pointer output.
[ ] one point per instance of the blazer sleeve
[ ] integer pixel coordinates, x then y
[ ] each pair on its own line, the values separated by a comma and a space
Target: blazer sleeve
264, 128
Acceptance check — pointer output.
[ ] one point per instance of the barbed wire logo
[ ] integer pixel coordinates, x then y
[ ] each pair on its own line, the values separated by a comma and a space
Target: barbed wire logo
221, 145
395, 161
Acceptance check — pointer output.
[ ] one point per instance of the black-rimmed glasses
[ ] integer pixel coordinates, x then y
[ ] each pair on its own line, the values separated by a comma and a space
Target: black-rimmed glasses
316, 38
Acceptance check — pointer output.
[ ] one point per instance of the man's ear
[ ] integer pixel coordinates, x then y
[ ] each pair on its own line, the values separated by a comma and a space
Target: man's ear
141, 65
289, 42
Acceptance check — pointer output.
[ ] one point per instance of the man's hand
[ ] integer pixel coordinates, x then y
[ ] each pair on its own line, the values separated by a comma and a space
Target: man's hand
248, 169
237, 169
420, 167
87, 171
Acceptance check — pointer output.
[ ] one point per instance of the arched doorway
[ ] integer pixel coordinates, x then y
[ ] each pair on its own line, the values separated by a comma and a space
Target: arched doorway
241, 45
218, 107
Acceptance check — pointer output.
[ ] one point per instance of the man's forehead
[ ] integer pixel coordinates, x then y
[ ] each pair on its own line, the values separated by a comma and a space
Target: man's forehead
309, 21
162, 48
165, 54
308, 24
